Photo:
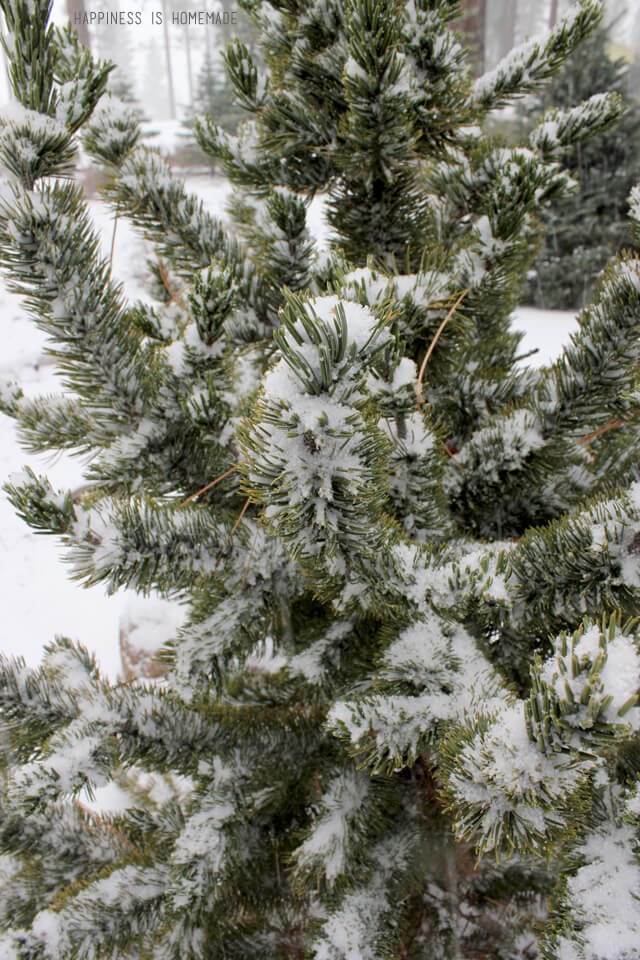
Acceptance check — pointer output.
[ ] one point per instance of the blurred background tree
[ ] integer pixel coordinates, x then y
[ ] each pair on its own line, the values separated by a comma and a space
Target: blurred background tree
472, 25
584, 229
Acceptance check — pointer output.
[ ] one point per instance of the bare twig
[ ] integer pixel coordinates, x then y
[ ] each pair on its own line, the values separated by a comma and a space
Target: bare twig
113, 240
233, 529
433, 344
605, 429
210, 486
174, 293
239, 520
525, 356
245, 576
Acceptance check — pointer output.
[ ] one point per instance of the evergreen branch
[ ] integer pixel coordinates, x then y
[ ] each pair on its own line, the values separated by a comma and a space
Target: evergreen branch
176, 222
354, 814
600, 897
573, 702
43, 508
236, 154
81, 81
103, 917
592, 381
62, 831
32, 59
56, 94
591, 385
146, 545
585, 563
113, 132
55, 422
125, 542
506, 794
49, 248
361, 922
527, 66
33, 703
243, 74
563, 128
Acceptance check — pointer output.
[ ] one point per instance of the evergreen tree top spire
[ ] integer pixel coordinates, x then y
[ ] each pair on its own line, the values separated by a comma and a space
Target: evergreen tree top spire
402, 716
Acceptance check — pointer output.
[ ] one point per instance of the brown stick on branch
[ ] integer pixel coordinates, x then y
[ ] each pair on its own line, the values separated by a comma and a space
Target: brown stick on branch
239, 520
209, 486
113, 240
233, 530
174, 293
604, 429
433, 344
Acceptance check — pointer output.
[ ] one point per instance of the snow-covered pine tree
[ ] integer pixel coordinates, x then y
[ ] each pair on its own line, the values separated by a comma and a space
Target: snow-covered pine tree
402, 720
585, 228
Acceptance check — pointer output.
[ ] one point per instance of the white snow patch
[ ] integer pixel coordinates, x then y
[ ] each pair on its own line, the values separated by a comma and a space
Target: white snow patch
604, 896
327, 842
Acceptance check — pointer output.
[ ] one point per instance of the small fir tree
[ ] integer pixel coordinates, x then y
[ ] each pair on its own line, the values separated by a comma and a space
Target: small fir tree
214, 98
215, 95
583, 229
402, 719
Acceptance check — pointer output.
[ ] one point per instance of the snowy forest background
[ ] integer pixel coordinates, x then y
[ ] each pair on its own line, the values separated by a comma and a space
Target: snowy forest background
493, 27
170, 74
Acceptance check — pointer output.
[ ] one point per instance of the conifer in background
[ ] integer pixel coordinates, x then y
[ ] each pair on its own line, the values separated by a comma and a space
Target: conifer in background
402, 718
214, 97
585, 228
214, 94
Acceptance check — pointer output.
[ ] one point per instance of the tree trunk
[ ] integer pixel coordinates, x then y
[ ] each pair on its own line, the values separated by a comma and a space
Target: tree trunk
553, 13
472, 24
187, 50
167, 54
77, 14
509, 32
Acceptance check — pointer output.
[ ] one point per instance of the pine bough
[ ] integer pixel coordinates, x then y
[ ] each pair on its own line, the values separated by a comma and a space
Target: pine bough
402, 719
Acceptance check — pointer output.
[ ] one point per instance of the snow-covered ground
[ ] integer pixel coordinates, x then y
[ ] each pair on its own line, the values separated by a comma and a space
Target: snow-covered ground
545, 331
38, 600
